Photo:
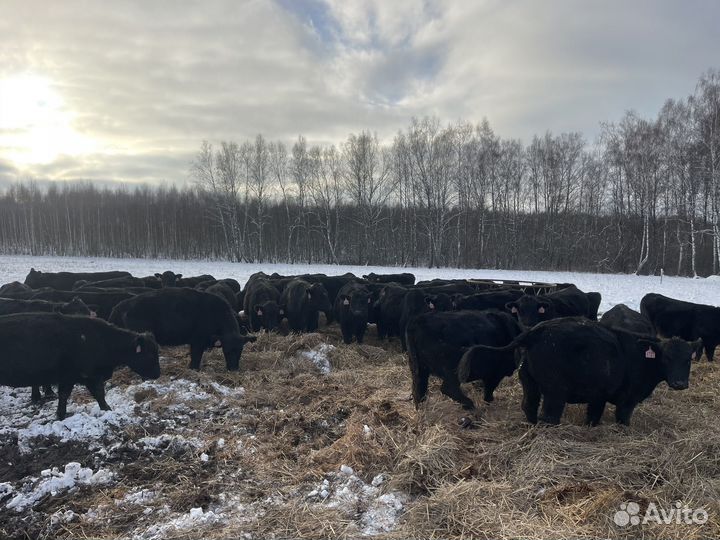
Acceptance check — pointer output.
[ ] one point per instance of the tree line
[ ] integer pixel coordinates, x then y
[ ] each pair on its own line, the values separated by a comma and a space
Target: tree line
643, 197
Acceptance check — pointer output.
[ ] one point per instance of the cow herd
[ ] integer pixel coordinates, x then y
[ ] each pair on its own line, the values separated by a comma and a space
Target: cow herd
67, 328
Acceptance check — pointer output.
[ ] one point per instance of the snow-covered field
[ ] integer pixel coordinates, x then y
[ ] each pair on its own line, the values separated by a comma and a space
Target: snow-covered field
615, 288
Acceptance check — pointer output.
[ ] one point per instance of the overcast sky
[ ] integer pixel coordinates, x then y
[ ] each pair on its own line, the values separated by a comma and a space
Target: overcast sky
127, 90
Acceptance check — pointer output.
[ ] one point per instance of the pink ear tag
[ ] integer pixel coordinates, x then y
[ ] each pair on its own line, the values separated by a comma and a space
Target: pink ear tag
513, 310
218, 344
138, 349
259, 312
693, 356
541, 310
649, 353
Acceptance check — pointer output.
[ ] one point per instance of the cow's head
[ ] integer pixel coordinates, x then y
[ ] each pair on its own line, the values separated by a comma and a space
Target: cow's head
530, 310
74, 307
32, 280
143, 357
168, 278
269, 313
232, 346
357, 302
318, 297
673, 356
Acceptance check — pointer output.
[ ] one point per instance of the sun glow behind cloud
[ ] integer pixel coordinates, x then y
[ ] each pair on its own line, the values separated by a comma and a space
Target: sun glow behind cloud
35, 125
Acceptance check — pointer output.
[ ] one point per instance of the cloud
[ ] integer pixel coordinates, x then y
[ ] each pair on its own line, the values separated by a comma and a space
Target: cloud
147, 81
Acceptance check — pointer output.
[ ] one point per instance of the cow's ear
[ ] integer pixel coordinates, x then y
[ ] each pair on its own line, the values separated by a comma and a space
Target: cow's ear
543, 307
651, 349
512, 307
158, 275
178, 276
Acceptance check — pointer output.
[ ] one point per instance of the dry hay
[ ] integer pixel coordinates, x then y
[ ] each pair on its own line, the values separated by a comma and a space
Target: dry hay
503, 478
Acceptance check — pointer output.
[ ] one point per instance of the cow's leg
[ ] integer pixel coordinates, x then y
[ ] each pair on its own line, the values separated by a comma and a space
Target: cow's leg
709, 350
451, 388
97, 389
381, 330
346, 330
623, 413
64, 390
490, 385
360, 331
595, 411
552, 408
196, 353
531, 396
35, 396
48, 391
329, 317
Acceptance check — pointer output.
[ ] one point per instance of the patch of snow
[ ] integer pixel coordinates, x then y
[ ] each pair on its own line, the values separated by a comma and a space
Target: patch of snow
378, 512
140, 497
170, 442
319, 356
185, 522
53, 481
62, 517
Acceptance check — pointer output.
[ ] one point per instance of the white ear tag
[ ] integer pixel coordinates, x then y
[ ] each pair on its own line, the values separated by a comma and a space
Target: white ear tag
346, 302
138, 349
431, 305
218, 343
541, 310
649, 353
259, 312
693, 356
513, 310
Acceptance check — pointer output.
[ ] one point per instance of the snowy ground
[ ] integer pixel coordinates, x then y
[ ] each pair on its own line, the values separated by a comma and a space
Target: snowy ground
615, 288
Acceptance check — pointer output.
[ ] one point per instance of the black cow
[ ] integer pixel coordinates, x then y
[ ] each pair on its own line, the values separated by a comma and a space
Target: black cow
403, 279
685, 320
568, 302
115, 283
230, 282
417, 302
575, 360
101, 303
183, 316
63, 281
302, 302
388, 310
351, 309
224, 291
50, 348
332, 285
261, 305
487, 300
152, 282
73, 307
14, 287
624, 318
437, 342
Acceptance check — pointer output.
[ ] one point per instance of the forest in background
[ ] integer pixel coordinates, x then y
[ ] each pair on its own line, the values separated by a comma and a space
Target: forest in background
644, 196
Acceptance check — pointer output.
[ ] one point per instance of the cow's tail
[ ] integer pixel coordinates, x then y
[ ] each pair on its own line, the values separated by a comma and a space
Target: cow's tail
476, 351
